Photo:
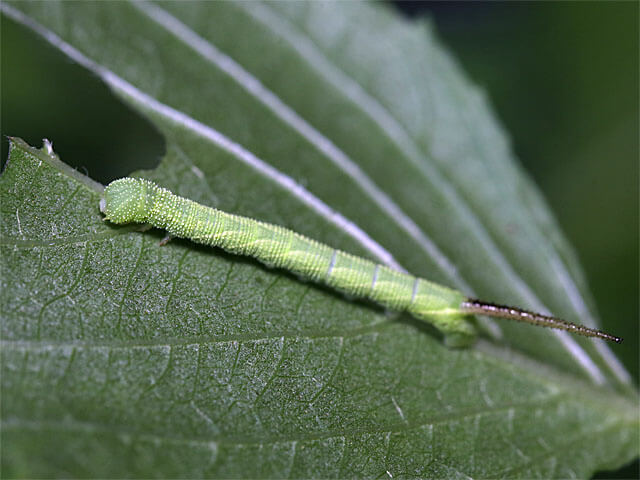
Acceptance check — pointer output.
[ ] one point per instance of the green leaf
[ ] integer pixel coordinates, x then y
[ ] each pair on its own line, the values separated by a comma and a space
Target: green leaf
121, 358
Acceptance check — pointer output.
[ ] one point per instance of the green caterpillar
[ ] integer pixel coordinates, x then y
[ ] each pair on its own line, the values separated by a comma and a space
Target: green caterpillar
135, 200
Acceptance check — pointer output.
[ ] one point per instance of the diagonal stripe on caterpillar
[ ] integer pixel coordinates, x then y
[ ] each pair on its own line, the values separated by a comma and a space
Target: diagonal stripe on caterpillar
136, 200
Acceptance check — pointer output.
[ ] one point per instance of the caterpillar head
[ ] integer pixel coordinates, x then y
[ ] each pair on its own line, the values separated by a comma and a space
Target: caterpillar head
125, 201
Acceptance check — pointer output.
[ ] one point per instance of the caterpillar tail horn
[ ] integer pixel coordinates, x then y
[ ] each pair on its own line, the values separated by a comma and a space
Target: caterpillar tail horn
479, 307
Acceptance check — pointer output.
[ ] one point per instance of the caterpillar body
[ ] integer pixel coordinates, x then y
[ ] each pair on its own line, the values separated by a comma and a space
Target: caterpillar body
136, 200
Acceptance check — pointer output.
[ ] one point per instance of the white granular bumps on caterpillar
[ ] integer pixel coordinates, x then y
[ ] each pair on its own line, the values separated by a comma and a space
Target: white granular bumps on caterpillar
136, 200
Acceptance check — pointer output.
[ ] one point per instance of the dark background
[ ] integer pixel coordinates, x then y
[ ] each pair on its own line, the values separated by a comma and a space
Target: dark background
562, 77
